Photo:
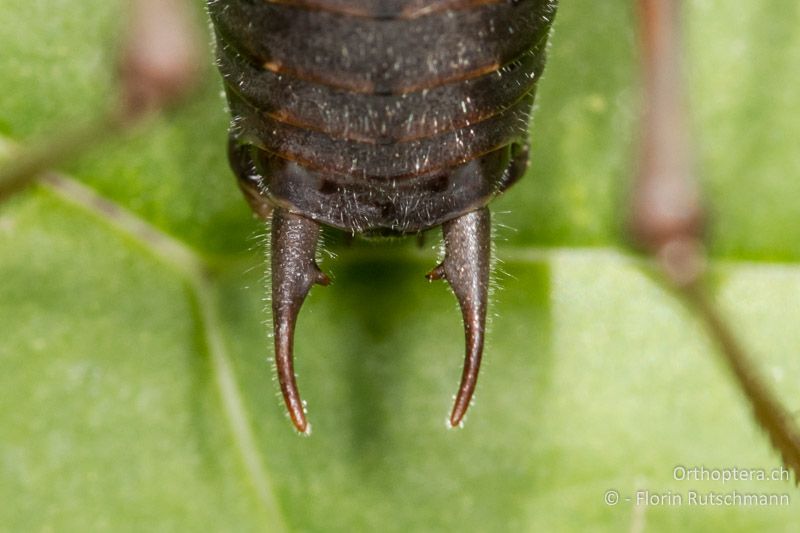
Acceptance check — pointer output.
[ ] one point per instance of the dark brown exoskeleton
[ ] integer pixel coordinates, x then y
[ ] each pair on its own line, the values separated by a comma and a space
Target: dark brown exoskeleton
379, 117
394, 116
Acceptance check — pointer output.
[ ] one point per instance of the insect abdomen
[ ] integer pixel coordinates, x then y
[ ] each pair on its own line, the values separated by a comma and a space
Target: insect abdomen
381, 115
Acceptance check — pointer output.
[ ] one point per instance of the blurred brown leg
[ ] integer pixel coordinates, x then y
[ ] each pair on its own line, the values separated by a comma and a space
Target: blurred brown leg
666, 215
158, 68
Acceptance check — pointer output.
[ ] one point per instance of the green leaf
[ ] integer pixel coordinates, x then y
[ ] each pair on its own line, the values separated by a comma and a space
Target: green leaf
136, 391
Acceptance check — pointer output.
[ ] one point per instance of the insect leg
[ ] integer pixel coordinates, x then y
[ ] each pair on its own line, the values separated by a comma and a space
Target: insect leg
294, 271
158, 68
466, 265
667, 215
666, 211
248, 178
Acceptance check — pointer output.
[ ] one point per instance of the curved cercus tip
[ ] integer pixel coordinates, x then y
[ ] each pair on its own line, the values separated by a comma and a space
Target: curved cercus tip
466, 268
474, 324
284, 361
294, 270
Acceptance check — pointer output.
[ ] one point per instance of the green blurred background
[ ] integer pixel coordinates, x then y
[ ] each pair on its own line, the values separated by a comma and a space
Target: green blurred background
112, 414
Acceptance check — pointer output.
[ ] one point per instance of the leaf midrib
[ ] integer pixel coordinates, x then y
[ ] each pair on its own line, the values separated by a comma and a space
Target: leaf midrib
193, 268
200, 272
